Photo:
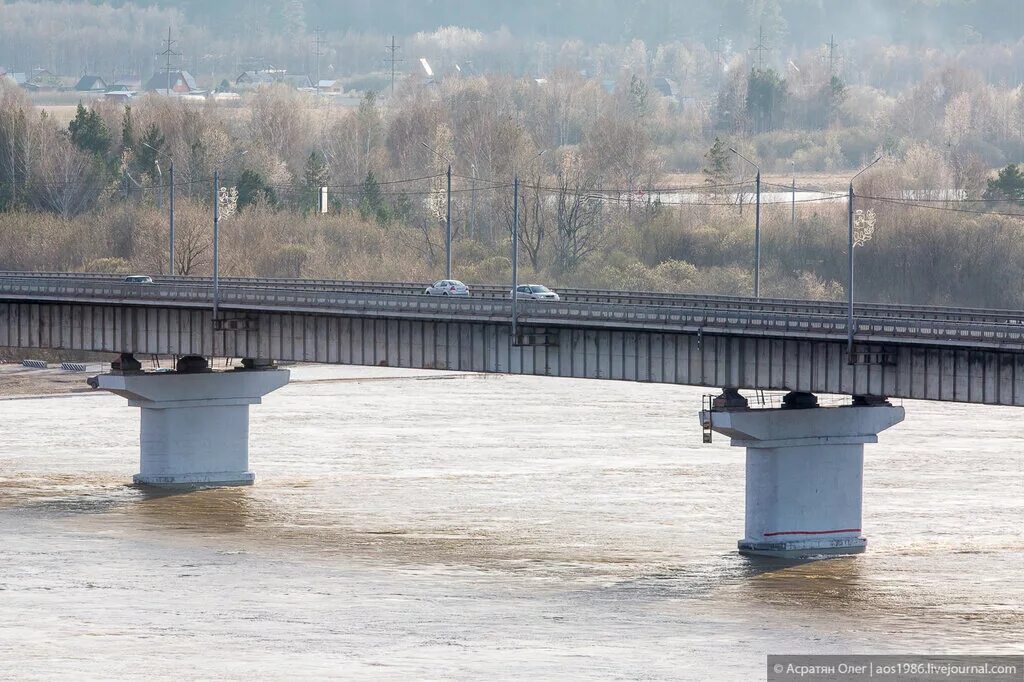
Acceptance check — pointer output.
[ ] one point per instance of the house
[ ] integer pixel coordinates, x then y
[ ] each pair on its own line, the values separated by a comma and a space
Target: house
330, 86
127, 81
298, 80
666, 87
181, 82
91, 84
44, 80
227, 97
120, 96
258, 77
15, 78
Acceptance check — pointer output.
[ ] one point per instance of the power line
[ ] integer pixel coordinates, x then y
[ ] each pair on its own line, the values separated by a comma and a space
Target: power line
900, 202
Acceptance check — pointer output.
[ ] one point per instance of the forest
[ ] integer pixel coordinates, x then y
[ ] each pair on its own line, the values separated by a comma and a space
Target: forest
620, 184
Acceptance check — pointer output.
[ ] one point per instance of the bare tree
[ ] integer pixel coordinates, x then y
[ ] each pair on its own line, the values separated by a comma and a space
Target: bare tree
577, 213
67, 182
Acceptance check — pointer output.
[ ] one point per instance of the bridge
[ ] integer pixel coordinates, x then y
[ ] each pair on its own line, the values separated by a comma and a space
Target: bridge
804, 462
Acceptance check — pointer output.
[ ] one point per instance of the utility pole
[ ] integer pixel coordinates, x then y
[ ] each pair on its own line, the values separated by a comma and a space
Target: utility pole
792, 217
515, 256
316, 33
448, 227
760, 48
849, 281
757, 225
170, 175
757, 238
831, 55
216, 237
216, 243
472, 204
393, 59
448, 211
718, 53
167, 54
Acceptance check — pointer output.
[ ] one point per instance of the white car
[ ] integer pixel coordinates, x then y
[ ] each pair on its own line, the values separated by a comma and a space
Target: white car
447, 287
138, 279
535, 292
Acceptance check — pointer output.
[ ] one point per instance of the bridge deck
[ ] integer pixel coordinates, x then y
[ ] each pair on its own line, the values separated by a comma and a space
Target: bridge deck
906, 351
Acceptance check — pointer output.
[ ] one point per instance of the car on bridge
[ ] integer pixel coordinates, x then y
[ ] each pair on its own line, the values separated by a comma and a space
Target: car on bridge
138, 279
447, 287
535, 292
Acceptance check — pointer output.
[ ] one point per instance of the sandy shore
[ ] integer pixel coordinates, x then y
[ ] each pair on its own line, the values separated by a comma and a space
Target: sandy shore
18, 381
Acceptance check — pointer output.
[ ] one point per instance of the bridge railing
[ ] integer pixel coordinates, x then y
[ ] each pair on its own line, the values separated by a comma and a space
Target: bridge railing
712, 302
690, 318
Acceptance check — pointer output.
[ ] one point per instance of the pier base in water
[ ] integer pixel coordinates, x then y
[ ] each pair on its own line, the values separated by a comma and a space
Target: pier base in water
804, 474
195, 424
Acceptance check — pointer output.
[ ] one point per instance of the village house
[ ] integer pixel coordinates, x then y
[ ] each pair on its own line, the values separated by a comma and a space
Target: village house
91, 84
181, 82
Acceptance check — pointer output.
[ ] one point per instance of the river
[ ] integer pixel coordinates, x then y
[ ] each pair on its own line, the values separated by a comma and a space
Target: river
429, 525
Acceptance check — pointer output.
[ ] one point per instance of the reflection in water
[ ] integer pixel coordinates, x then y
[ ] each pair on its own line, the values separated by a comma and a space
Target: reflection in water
404, 528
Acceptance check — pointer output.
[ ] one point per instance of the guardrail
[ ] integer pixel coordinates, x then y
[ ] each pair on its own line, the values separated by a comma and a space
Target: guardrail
703, 318
712, 302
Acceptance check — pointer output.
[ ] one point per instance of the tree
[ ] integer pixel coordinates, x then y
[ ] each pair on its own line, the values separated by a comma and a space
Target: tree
88, 132
823, 105
67, 182
719, 164
766, 99
146, 155
127, 130
1009, 185
577, 213
371, 201
253, 189
315, 175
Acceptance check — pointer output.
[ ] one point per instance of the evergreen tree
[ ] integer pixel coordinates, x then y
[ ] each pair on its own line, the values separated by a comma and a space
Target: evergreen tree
149, 146
315, 176
1008, 184
767, 94
127, 130
719, 164
88, 132
253, 189
371, 200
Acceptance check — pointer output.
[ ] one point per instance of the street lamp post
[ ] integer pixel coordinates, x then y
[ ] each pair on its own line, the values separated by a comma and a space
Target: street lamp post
448, 227
472, 205
216, 244
170, 180
849, 247
515, 249
757, 225
792, 215
447, 214
216, 239
515, 257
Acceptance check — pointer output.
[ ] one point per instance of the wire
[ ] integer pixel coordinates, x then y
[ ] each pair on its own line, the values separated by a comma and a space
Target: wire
933, 207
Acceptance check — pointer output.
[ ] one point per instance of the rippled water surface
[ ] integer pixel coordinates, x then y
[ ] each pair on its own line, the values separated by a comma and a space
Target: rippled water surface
428, 525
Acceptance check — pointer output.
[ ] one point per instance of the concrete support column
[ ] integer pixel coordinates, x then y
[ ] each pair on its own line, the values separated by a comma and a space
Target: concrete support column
805, 473
194, 424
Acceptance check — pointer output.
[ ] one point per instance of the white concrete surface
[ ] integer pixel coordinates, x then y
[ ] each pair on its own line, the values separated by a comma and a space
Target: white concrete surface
194, 427
804, 475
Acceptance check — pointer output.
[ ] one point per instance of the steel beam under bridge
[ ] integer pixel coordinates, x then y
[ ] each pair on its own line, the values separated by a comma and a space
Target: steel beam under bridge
948, 373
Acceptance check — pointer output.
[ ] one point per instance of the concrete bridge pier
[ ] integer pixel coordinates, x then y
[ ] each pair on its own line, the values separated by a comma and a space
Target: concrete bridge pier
195, 422
805, 470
